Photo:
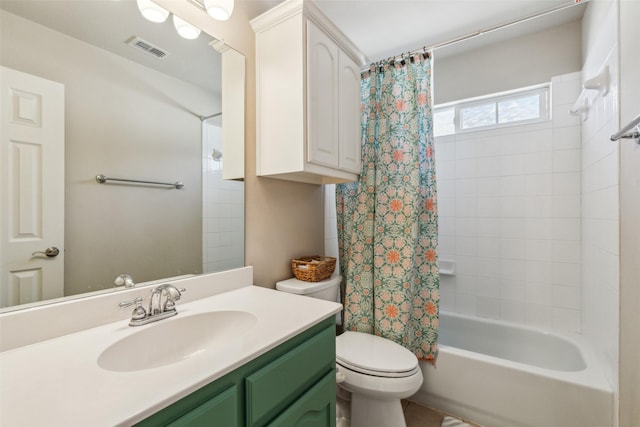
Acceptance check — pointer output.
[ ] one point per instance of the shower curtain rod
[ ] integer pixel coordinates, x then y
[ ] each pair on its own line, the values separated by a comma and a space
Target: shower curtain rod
489, 29
203, 118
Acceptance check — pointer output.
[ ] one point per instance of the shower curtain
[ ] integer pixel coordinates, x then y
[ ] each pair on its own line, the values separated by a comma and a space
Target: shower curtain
387, 221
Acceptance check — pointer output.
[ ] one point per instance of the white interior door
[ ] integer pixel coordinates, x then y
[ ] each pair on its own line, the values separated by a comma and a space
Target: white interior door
32, 188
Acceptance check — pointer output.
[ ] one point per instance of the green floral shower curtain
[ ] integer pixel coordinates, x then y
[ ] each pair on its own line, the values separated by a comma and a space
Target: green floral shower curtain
387, 222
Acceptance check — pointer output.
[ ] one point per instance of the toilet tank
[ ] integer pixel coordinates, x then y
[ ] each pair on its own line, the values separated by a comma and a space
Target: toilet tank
325, 289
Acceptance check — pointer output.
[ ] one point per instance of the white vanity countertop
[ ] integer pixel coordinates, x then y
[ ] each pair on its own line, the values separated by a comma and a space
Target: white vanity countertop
58, 382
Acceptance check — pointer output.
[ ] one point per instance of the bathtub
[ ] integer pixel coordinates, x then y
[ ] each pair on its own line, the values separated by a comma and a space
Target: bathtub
498, 374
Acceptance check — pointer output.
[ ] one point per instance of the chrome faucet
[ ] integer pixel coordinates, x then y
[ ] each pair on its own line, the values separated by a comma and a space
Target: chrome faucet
157, 309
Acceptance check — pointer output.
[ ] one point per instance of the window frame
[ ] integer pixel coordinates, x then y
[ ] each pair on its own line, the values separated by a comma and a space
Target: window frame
544, 108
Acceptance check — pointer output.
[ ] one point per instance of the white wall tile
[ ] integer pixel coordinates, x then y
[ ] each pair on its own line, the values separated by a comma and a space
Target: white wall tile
513, 249
538, 315
466, 246
513, 207
566, 296
488, 166
567, 161
488, 147
466, 168
512, 165
565, 319
466, 227
487, 266
488, 307
538, 162
513, 270
539, 185
538, 272
510, 208
488, 286
466, 207
466, 188
466, 304
539, 228
466, 149
488, 187
488, 247
539, 250
567, 206
513, 228
566, 138
488, 207
567, 274
466, 266
539, 293
565, 251
512, 186
566, 183
488, 227
512, 311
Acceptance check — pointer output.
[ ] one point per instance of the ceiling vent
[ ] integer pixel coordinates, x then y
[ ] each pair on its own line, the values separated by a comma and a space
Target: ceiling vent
146, 47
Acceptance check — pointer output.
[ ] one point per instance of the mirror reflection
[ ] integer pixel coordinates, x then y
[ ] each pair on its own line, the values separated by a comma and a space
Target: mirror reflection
94, 88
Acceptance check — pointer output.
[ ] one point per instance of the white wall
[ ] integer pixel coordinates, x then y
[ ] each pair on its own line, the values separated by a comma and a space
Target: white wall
600, 191
112, 229
629, 372
511, 64
222, 209
509, 216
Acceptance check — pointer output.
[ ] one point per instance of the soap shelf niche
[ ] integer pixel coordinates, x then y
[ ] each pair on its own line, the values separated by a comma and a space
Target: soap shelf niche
598, 83
447, 267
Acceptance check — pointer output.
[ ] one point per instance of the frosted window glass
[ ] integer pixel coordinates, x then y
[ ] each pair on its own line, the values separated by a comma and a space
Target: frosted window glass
478, 115
513, 110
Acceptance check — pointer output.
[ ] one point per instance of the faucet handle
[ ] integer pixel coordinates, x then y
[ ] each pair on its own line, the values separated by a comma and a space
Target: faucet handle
138, 312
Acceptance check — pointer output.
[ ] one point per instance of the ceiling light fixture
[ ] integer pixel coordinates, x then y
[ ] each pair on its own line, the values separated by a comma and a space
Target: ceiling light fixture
185, 29
152, 11
219, 9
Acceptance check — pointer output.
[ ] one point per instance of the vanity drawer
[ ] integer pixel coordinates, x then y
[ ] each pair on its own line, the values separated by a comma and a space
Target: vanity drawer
280, 383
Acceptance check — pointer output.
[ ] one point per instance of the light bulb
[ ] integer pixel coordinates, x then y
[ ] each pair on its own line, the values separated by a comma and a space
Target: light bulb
185, 29
219, 9
152, 11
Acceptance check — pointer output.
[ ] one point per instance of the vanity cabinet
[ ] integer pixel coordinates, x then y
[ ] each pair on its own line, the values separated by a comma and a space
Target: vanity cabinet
292, 384
308, 97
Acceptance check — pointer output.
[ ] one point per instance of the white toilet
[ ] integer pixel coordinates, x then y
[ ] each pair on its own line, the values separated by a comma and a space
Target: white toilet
377, 372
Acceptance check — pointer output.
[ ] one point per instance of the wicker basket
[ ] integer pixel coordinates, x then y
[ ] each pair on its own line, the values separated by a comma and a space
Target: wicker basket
313, 268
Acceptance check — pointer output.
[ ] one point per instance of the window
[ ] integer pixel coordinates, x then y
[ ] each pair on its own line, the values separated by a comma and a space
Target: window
529, 105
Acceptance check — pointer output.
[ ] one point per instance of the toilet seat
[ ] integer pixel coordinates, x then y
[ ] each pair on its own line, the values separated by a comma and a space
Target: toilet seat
373, 355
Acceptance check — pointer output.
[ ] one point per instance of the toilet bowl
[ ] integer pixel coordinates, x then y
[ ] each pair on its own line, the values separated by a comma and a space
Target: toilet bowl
378, 373
375, 371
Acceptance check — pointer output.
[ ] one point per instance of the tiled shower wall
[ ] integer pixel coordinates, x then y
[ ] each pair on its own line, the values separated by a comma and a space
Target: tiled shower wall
509, 216
600, 192
222, 210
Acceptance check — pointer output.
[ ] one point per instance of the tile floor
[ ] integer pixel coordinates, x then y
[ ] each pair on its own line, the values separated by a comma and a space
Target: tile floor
417, 415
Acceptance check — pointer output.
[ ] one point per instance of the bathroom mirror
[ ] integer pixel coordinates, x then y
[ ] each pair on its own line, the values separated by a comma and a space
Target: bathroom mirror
139, 102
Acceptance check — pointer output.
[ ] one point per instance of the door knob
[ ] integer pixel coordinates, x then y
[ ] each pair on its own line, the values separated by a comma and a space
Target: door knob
50, 252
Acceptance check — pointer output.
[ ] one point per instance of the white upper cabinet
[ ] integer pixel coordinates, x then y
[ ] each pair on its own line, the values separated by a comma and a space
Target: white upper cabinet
308, 97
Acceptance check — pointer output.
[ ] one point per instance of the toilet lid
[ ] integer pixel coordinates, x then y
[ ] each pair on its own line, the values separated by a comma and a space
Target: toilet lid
374, 355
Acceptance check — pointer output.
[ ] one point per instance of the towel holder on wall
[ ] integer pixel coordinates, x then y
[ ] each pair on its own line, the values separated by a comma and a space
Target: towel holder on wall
101, 179
630, 131
599, 83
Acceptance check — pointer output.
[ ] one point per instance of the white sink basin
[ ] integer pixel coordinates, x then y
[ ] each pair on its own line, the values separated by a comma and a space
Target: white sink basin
175, 339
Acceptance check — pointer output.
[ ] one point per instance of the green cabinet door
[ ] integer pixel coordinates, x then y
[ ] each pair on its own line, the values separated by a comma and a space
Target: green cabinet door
315, 408
277, 385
